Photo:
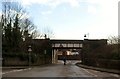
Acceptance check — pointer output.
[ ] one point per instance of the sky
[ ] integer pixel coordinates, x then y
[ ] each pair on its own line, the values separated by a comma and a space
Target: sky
72, 19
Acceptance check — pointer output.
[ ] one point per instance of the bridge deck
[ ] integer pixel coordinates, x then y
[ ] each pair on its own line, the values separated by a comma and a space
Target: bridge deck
66, 41
67, 47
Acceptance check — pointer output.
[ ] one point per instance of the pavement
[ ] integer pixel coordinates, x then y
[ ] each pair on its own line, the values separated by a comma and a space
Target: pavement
99, 69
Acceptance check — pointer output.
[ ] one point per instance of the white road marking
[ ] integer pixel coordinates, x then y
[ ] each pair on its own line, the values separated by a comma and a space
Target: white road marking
90, 72
115, 75
16, 70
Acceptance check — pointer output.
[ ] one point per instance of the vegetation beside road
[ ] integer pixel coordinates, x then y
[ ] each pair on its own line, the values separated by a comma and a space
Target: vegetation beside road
18, 30
107, 56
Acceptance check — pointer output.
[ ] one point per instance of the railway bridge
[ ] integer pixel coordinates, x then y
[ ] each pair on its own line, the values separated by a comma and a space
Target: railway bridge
64, 47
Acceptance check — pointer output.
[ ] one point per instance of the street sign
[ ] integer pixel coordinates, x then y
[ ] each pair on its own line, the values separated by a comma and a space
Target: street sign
29, 49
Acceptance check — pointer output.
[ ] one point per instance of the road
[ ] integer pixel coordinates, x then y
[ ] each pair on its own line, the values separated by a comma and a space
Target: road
57, 70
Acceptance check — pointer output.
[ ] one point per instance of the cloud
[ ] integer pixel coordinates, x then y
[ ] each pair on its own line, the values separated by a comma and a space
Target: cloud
51, 3
92, 9
26, 2
73, 3
106, 13
46, 12
0, 13
105, 10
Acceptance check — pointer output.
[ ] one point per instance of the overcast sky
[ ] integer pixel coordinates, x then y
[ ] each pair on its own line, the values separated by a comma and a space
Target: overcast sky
71, 19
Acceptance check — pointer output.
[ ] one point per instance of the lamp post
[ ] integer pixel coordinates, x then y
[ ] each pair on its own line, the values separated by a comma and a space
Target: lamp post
86, 36
29, 50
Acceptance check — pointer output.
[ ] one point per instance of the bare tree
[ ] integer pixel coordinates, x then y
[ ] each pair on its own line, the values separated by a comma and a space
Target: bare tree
114, 40
48, 32
15, 25
10, 26
29, 29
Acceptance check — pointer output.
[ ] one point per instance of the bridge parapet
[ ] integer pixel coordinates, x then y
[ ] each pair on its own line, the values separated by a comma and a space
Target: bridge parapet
66, 44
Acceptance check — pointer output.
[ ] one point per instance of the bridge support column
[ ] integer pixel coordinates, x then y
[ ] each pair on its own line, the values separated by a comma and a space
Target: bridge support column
54, 56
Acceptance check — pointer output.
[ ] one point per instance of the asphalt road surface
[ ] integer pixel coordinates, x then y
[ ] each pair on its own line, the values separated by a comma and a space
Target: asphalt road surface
57, 70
